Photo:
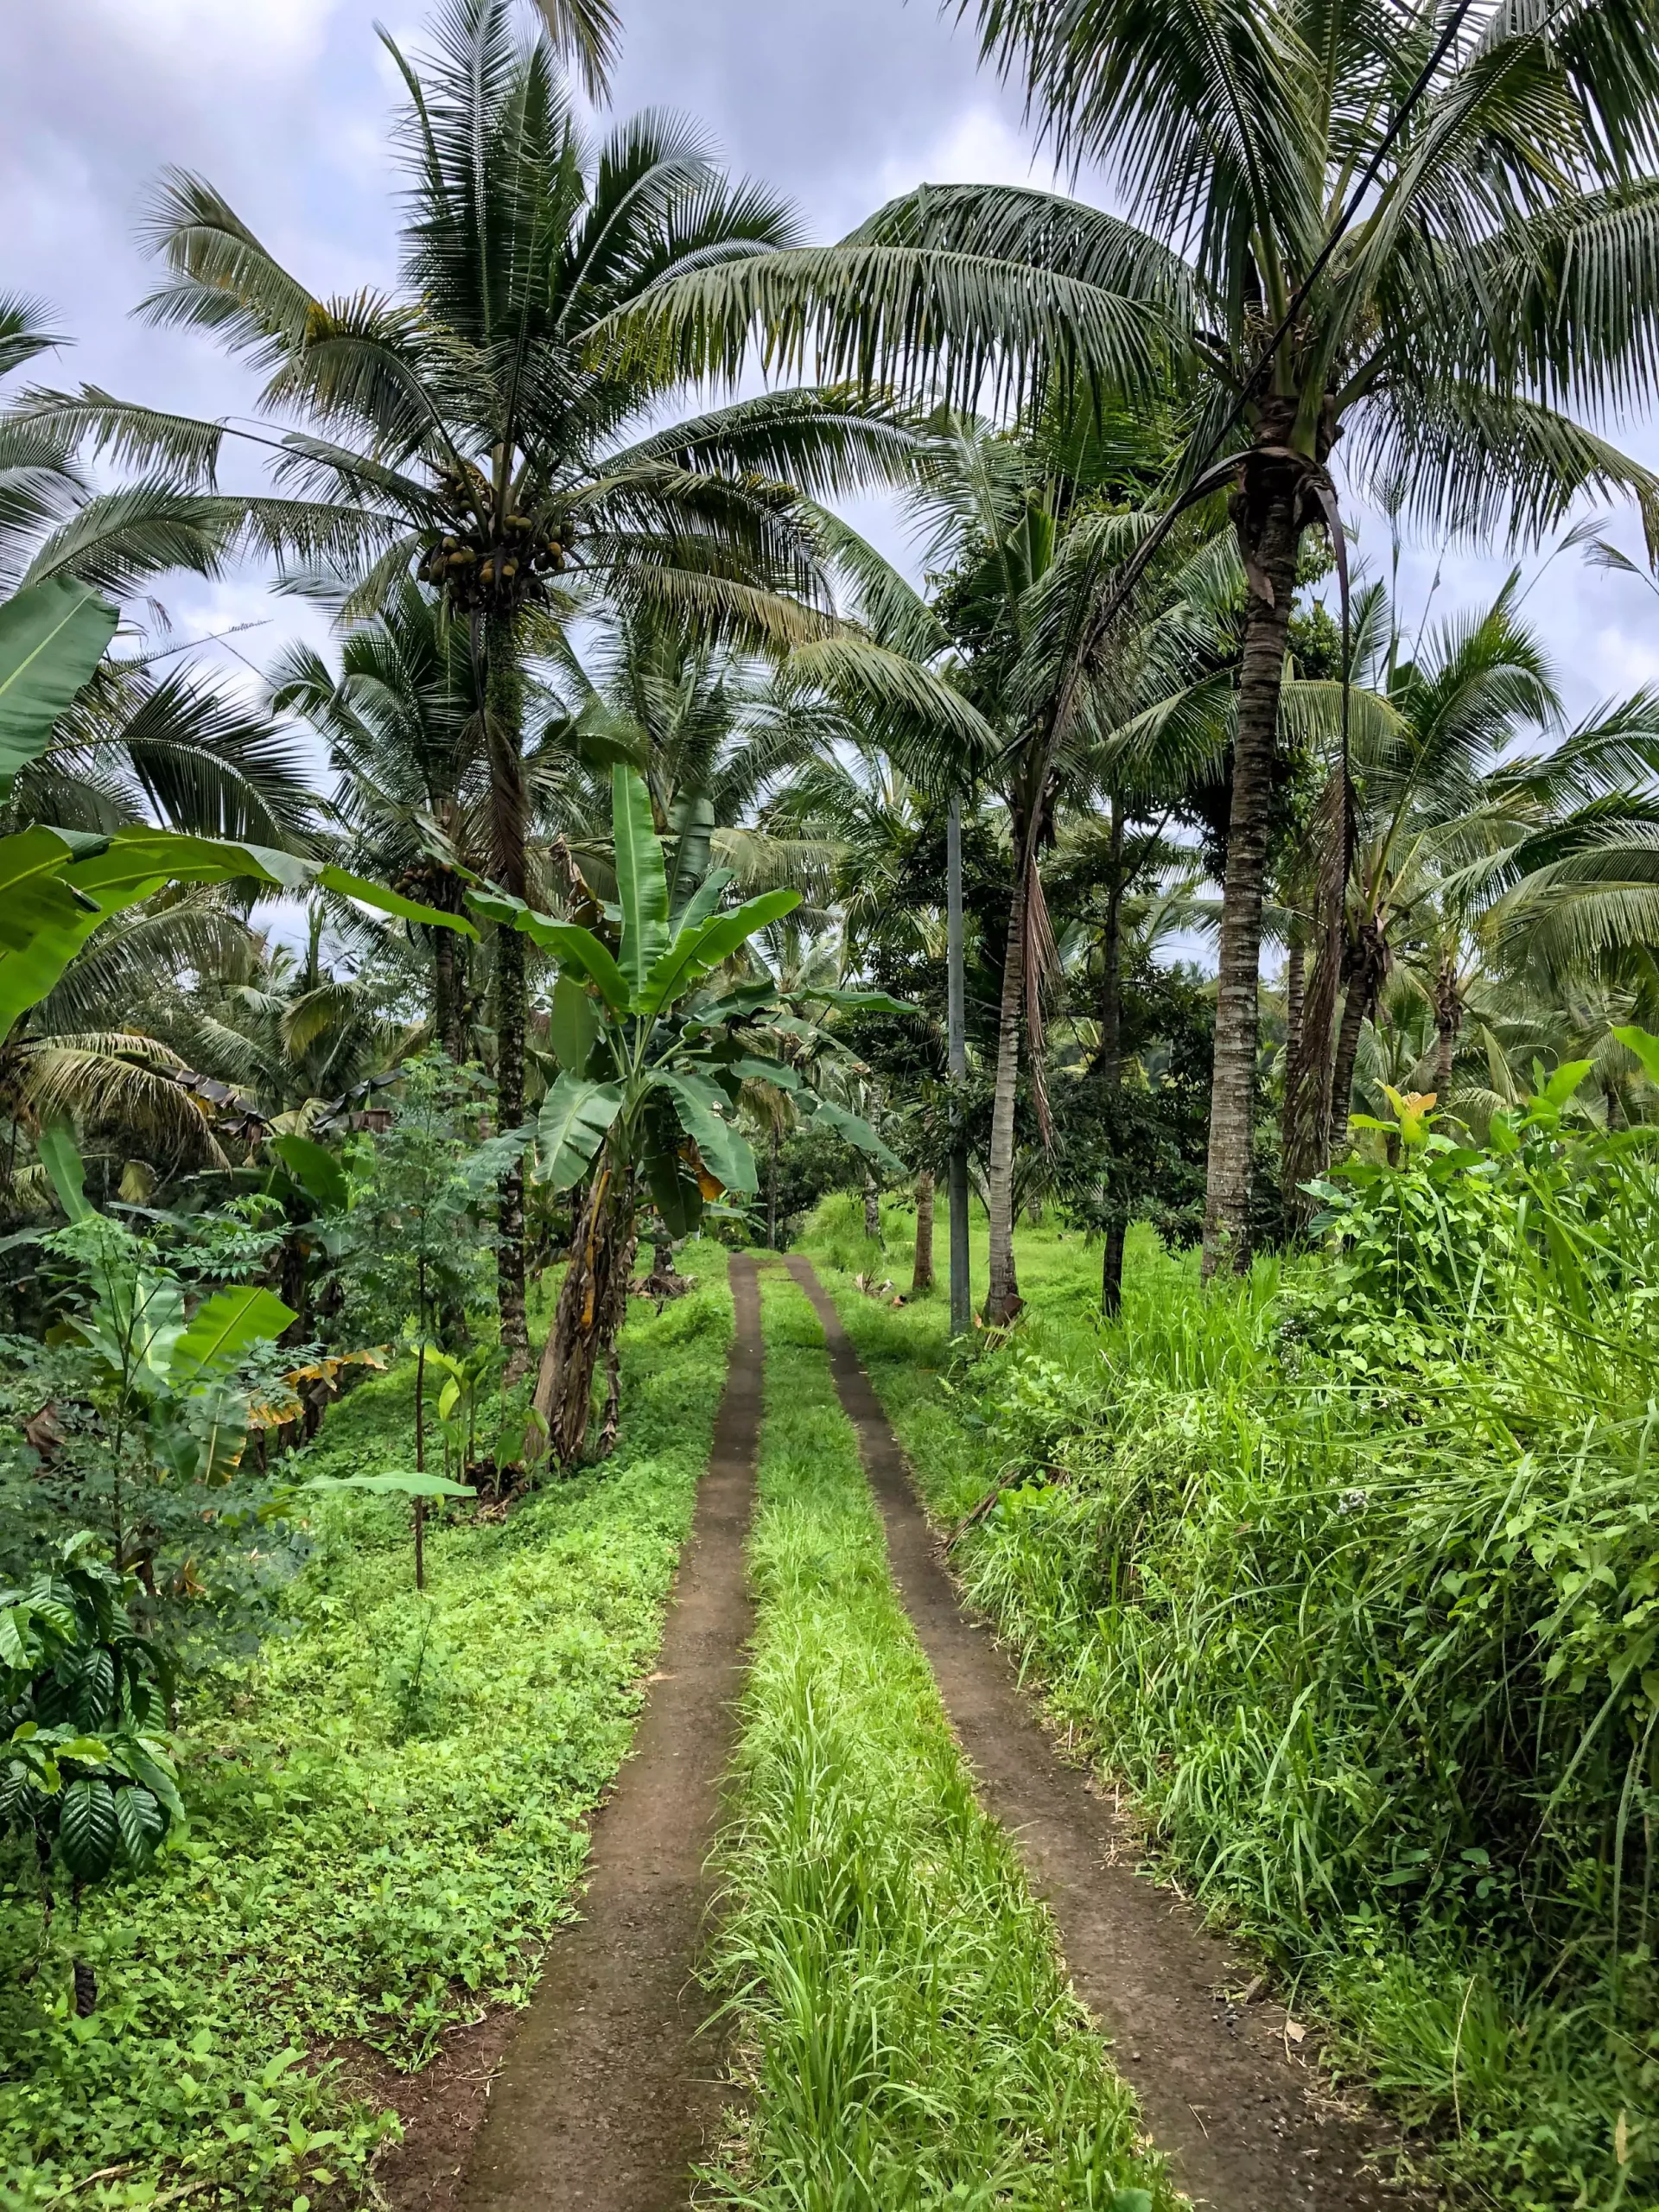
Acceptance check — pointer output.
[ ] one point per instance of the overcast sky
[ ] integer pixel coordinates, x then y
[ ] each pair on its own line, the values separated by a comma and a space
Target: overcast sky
285, 104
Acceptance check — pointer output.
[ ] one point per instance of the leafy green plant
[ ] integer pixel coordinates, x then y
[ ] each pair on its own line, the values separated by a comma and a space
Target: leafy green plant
654, 1045
86, 1776
394, 1483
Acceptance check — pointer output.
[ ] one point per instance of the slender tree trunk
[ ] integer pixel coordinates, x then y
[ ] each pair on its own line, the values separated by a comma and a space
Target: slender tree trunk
872, 1207
1111, 1265
1109, 1064
921, 1276
1448, 1021
504, 718
1295, 997
1109, 1061
1265, 516
771, 1193
1002, 1299
1368, 965
1305, 1150
961, 1296
592, 1302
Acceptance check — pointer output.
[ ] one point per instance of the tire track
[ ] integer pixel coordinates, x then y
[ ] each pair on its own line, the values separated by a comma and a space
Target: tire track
607, 2098
1245, 2126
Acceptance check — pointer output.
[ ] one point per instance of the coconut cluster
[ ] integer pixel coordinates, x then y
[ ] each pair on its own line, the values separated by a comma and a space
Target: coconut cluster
489, 571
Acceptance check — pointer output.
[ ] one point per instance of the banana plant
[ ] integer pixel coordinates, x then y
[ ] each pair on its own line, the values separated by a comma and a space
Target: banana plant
464, 1377
653, 1044
172, 1373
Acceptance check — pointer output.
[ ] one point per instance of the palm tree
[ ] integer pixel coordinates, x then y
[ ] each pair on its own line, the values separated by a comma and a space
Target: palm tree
403, 720
1498, 269
478, 434
1429, 821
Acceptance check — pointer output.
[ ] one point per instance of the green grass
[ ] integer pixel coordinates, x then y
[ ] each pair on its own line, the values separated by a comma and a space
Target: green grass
911, 2038
1315, 1631
387, 1814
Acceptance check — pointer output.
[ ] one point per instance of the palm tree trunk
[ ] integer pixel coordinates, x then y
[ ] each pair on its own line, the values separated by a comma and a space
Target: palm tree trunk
1002, 1299
1295, 998
771, 1193
872, 1207
503, 715
921, 1276
1267, 527
1448, 1020
1368, 963
1111, 1265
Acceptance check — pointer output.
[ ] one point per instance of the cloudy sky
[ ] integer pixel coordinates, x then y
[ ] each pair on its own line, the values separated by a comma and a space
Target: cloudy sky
284, 103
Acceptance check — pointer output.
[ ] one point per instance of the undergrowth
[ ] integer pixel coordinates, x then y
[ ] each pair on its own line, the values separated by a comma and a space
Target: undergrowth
385, 1816
1348, 1643
911, 2037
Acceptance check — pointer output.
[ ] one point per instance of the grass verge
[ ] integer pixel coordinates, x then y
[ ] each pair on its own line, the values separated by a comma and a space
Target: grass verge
387, 1814
910, 2037
1307, 1632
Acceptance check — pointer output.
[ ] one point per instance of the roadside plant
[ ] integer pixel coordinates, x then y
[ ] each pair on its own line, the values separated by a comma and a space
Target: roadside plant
86, 1775
654, 1043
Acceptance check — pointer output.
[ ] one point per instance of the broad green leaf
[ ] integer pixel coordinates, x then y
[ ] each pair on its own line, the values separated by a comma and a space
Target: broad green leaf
1565, 1080
392, 902
52, 636
675, 1191
86, 1829
315, 1169
573, 1025
224, 1326
697, 952
389, 1485
691, 823
702, 1107
861, 1002
574, 1118
1645, 1048
857, 1133
779, 1073
641, 879
60, 1157
569, 943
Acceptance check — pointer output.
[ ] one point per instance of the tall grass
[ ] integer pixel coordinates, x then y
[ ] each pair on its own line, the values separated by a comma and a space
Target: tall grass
911, 2037
1360, 1603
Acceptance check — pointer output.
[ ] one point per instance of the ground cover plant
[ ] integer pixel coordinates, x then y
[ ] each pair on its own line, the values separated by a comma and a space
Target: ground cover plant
386, 1815
1367, 1648
912, 2038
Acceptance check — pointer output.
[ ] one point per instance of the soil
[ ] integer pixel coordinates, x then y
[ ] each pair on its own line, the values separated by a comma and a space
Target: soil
1226, 2086
607, 2094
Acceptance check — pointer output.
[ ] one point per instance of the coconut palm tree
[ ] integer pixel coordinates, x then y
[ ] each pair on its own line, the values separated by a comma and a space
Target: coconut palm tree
478, 433
403, 716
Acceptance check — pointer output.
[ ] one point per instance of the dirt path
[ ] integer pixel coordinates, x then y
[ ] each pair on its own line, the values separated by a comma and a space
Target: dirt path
605, 2100
1245, 2126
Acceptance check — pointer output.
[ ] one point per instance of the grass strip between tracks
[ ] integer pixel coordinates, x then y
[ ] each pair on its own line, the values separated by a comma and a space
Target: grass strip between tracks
908, 2034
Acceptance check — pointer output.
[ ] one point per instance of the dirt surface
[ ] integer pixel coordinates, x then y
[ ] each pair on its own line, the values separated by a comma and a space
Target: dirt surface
441, 2108
607, 2097
1247, 2125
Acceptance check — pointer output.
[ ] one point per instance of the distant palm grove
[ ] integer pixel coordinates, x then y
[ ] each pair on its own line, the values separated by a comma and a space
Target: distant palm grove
1251, 961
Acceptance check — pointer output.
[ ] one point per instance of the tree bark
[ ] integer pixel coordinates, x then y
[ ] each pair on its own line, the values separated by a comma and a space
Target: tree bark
1295, 997
1265, 516
1368, 964
1448, 1021
1109, 1062
921, 1277
592, 1302
1002, 1299
961, 1296
1111, 1266
771, 1193
872, 1207
1305, 1151
503, 715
